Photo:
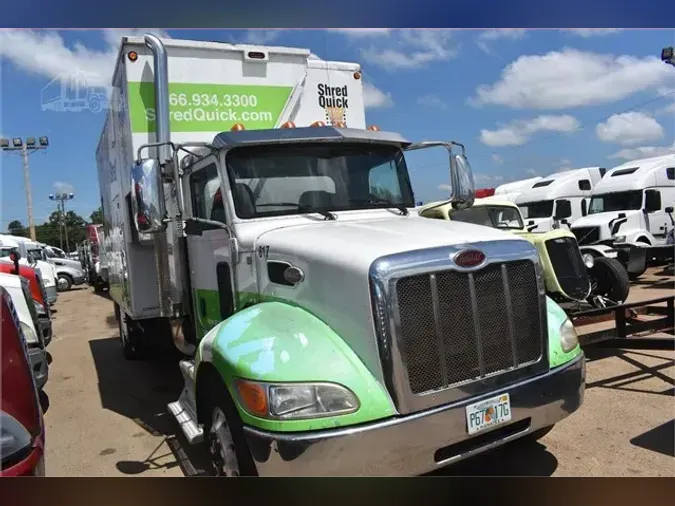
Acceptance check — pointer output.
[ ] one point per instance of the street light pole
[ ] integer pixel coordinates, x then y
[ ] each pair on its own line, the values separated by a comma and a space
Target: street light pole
29, 200
26, 148
61, 199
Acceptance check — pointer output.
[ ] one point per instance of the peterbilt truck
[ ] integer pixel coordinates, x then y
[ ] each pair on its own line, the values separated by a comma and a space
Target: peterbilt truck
326, 328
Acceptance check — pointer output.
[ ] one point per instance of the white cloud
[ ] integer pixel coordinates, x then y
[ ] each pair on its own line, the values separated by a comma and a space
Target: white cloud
46, 54
410, 49
643, 152
629, 128
261, 37
531, 172
519, 132
433, 101
479, 180
61, 187
445, 187
361, 32
375, 98
593, 32
496, 158
491, 35
572, 78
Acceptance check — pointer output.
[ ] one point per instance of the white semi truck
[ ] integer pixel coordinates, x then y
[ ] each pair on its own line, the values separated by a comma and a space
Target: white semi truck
253, 220
511, 191
632, 208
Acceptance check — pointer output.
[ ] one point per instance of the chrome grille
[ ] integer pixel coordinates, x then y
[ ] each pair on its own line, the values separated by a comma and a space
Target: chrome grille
457, 327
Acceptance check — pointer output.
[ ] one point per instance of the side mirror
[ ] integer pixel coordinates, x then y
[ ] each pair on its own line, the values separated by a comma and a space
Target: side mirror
463, 186
146, 196
461, 177
669, 210
15, 256
652, 201
563, 209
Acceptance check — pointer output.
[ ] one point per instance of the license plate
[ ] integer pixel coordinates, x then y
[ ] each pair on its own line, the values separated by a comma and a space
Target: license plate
488, 413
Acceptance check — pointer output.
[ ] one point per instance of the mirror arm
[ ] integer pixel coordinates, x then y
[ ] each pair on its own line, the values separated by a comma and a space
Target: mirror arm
139, 159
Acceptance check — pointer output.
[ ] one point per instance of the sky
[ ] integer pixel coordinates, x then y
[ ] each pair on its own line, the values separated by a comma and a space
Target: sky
523, 102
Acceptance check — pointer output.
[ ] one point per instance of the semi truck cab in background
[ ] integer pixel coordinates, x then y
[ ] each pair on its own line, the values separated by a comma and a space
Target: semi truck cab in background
328, 330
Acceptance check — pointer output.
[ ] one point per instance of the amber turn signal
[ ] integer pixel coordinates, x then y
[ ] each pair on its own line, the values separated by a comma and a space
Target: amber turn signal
253, 397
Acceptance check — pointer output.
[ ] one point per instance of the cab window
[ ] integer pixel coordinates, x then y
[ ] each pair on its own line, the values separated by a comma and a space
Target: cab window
206, 194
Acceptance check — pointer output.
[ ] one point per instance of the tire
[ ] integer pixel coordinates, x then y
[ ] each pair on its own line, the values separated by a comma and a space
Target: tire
609, 279
132, 348
64, 282
220, 409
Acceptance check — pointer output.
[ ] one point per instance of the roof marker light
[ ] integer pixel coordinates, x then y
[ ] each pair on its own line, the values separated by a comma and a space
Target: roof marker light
237, 127
288, 124
374, 128
318, 124
132, 55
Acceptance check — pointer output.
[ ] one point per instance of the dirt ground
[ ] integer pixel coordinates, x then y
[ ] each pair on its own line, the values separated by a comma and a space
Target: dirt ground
107, 416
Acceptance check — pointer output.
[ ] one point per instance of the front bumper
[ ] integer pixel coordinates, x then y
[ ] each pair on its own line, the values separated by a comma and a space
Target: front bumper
46, 327
78, 280
52, 294
415, 444
38, 365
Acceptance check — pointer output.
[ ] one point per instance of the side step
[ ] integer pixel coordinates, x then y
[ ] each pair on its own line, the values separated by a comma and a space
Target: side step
184, 409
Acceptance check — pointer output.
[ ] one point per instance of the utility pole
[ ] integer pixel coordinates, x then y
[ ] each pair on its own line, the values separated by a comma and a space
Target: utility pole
61, 198
26, 148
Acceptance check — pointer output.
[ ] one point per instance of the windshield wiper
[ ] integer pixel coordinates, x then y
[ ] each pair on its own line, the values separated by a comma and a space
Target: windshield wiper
302, 207
380, 200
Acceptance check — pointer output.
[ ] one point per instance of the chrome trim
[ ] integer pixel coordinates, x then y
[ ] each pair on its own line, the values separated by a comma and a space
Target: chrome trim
405, 445
439, 328
383, 274
509, 312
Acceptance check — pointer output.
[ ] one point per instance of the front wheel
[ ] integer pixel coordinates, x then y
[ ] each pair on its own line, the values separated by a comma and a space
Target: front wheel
223, 434
64, 283
609, 282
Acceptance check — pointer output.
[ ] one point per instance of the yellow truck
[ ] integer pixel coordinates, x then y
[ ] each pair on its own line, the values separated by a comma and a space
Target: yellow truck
570, 276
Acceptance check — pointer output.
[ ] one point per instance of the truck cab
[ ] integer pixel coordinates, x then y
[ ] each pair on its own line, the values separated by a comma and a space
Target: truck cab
511, 191
318, 314
32, 254
564, 194
633, 204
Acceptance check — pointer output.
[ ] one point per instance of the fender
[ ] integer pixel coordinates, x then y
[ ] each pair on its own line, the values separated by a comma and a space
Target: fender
279, 342
599, 250
556, 317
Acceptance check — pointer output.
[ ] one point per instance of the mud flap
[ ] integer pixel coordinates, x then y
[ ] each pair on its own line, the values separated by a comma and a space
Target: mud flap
633, 258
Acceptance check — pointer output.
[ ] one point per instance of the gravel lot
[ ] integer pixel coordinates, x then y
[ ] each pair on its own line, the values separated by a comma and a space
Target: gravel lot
107, 416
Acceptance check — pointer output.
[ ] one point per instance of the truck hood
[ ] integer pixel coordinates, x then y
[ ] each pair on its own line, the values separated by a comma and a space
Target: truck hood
359, 243
335, 258
602, 219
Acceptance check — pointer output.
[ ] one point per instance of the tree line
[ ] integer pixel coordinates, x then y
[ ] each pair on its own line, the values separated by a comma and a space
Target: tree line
52, 233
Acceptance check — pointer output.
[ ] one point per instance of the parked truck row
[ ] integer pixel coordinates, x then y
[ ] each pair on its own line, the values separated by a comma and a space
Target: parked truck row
625, 212
327, 328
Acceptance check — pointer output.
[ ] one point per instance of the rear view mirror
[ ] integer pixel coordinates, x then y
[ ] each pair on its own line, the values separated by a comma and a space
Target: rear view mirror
462, 190
652, 201
669, 210
563, 209
146, 196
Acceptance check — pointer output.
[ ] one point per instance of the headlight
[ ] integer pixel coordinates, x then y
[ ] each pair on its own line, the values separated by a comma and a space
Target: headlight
568, 336
619, 238
588, 260
296, 401
39, 308
29, 333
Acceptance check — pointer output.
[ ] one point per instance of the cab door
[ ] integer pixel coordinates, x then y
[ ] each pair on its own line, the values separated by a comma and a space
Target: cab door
209, 258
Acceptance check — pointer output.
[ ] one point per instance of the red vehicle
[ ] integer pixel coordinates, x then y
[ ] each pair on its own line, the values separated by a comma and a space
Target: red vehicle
37, 290
23, 432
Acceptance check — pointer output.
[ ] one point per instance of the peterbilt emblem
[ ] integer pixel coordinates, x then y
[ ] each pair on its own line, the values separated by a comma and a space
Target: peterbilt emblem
469, 258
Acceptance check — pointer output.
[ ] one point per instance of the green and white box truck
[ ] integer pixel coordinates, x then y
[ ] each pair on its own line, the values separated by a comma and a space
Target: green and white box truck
253, 219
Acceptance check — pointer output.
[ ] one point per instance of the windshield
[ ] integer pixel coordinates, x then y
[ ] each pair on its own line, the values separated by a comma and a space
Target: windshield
616, 201
4, 252
297, 179
490, 216
37, 254
541, 209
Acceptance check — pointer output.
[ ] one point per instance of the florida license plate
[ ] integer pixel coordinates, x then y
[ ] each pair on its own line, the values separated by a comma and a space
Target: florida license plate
488, 413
